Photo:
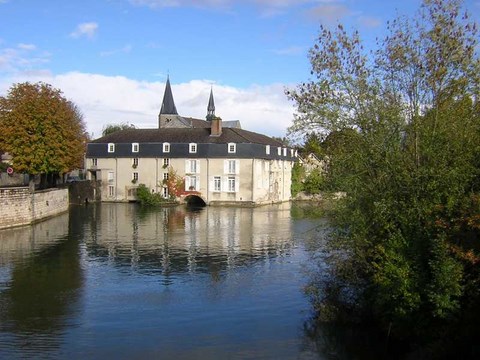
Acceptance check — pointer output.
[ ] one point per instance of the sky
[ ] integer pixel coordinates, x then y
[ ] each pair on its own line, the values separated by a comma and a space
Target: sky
112, 57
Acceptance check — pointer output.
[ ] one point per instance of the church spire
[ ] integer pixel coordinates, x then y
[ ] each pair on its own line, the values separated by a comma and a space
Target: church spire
168, 105
211, 107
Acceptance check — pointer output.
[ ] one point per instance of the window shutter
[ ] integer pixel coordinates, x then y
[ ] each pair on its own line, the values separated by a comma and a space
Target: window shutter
225, 183
187, 183
198, 167
197, 182
225, 166
237, 184
187, 166
212, 184
237, 167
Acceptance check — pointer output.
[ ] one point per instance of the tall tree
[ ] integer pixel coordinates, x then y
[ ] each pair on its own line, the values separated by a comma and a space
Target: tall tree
406, 142
43, 131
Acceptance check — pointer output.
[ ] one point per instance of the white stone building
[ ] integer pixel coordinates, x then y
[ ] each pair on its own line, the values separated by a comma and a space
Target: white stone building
215, 160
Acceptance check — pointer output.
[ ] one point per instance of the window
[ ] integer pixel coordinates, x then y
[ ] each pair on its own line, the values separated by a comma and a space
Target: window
165, 192
134, 162
111, 147
192, 183
166, 162
231, 184
111, 176
230, 167
134, 177
166, 147
94, 162
279, 151
135, 147
232, 148
111, 190
217, 183
192, 148
192, 167
267, 149
165, 176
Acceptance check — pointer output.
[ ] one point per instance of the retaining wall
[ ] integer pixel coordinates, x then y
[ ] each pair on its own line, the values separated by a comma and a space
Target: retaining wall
18, 206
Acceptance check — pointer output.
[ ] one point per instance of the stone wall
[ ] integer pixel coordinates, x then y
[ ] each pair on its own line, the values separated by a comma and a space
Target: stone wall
20, 207
83, 192
15, 179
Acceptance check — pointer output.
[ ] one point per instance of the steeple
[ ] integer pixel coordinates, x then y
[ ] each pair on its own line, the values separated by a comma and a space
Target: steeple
211, 107
168, 105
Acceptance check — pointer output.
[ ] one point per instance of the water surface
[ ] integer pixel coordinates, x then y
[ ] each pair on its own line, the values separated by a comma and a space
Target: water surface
118, 281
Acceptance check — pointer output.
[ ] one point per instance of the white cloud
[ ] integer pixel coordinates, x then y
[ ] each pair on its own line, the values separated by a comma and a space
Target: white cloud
23, 57
85, 29
369, 21
329, 13
26, 46
125, 50
269, 5
117, 99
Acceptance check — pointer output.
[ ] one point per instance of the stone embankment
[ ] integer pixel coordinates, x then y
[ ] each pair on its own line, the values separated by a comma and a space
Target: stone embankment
19, 206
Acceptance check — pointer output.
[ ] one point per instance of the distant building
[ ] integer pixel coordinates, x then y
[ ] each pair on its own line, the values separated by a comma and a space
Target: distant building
215, 160
311, 162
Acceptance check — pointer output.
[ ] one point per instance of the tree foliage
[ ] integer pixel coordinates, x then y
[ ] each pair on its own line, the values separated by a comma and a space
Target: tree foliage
43, 131
111, 128
146, 198
404, 141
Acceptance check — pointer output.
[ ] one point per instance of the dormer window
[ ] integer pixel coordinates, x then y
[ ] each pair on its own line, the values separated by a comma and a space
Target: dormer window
192, 148
284, 151
291, 152
232, 148
166, 147
267, 149
279, 151
111, 147
135, 147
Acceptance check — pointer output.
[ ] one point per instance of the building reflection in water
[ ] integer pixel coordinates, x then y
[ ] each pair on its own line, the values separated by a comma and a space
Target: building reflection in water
181, 239
40, 282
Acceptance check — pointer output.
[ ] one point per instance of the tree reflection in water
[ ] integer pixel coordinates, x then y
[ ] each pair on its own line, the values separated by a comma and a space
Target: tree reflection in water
44, 284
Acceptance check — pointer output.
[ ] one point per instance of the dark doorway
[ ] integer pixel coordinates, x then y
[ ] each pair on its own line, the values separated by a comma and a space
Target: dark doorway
194, 200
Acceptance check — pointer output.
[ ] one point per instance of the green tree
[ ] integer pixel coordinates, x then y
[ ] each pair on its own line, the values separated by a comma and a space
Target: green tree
111, 128
43, 131
298, 175
313, 144
404, 139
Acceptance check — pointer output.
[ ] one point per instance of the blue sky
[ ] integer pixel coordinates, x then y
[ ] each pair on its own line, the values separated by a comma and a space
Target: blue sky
111, 57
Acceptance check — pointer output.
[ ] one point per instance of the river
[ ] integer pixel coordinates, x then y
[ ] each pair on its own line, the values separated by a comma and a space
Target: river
118, 281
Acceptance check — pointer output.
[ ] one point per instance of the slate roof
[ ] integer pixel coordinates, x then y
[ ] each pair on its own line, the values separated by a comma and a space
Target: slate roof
187, 135
168, 105
211, 104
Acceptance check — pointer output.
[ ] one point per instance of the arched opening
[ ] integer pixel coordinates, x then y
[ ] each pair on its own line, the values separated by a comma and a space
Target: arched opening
195, 201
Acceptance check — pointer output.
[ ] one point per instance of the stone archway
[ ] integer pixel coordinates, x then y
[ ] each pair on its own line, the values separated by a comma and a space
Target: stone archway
195, 200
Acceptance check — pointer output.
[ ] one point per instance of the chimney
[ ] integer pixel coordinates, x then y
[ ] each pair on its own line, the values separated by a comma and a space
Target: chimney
216, 127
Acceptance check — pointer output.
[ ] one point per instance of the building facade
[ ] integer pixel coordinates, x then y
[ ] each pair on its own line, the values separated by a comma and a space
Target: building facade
214, 160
